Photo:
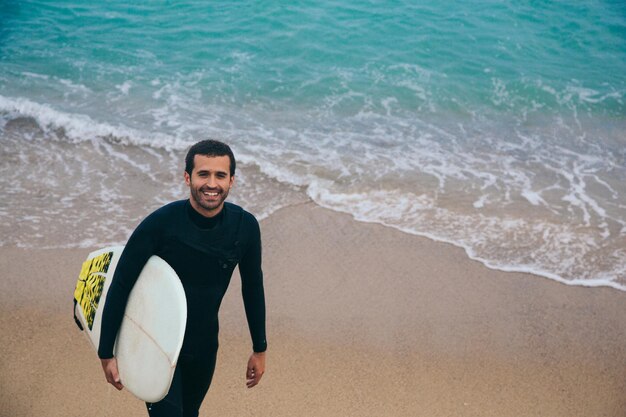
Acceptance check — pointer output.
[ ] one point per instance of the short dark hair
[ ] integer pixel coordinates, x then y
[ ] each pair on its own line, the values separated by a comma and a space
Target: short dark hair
209, 147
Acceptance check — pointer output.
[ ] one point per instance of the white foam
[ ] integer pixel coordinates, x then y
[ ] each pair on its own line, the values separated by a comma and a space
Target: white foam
38, 76
477, 184
500, 93
80, 127
533, 198
72, 86
124, 87
362, 208
480, 203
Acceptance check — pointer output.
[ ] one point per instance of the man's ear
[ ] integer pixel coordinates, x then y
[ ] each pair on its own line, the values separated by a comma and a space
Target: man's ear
232, 180
187, 179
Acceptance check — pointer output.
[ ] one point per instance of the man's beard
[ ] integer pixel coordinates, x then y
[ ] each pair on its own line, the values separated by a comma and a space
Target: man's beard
196, 194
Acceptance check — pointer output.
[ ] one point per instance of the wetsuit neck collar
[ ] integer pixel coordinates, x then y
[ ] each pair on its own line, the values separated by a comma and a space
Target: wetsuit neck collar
201, 221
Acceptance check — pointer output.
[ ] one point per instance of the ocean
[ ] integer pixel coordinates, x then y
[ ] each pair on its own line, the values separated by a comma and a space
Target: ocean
496, 126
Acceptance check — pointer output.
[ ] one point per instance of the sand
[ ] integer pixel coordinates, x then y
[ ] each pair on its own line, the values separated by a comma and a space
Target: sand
363, 320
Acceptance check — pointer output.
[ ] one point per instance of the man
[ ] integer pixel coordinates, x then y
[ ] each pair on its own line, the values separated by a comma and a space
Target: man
203, 239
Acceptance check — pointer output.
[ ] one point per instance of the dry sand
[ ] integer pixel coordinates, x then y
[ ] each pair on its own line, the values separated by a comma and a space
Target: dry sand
363, 320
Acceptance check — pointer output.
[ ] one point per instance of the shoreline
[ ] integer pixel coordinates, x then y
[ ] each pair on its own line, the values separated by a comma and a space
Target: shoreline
363, 320
590, 283
307, 200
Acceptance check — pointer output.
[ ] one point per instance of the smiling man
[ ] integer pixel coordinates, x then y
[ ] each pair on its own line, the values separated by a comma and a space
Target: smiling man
203, 239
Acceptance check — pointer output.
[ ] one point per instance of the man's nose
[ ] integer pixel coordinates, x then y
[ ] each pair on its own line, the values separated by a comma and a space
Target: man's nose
211, 182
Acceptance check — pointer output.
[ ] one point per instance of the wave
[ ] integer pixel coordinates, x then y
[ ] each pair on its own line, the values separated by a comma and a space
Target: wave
76, 127
545, 199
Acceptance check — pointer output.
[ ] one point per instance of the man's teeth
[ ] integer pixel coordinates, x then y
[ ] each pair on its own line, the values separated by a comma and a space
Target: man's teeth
210, 194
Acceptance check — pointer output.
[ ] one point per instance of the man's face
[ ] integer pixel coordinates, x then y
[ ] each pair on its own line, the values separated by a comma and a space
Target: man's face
209, 183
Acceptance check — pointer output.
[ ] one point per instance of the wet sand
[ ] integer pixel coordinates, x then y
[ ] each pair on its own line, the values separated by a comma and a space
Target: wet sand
363, 320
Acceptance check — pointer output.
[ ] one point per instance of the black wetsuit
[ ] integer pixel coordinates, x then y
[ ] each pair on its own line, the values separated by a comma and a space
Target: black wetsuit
203, 252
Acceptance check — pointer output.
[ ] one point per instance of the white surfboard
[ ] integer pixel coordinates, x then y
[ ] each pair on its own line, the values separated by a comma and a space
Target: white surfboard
153, 328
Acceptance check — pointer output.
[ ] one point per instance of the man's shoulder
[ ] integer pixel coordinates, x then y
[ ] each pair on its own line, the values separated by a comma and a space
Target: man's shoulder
234, 208
246, 216
173, 206
166, 211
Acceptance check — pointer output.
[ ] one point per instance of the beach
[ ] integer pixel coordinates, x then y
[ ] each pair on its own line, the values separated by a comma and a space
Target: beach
441, 190
363, 320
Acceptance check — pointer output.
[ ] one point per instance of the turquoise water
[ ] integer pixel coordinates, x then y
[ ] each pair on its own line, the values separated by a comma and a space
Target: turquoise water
491, 56
494, 125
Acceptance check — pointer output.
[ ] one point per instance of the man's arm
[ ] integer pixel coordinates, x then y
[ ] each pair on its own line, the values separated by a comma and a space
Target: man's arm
136, 253
254, 299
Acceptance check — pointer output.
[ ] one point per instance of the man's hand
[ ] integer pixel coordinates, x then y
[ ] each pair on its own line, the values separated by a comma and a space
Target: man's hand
110, 372
256, 368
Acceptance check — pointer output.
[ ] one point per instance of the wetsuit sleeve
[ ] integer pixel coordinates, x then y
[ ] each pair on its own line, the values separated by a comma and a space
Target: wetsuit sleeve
252, 285
138, 250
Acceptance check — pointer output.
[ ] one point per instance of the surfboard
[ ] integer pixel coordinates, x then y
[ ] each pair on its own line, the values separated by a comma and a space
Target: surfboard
153, 327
